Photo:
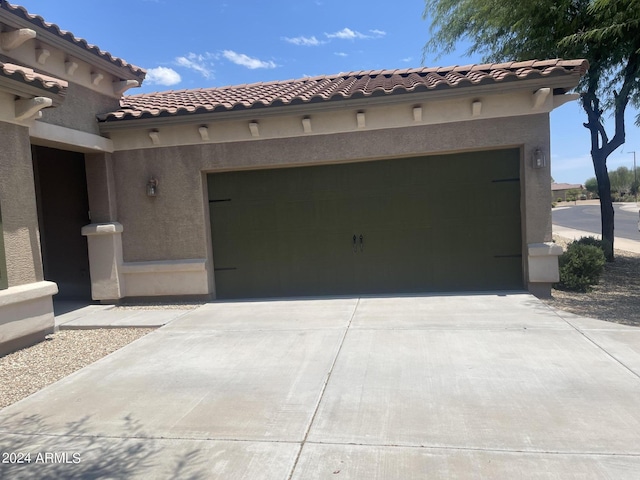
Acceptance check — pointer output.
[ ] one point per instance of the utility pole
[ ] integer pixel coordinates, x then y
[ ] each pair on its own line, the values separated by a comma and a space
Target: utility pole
635, 175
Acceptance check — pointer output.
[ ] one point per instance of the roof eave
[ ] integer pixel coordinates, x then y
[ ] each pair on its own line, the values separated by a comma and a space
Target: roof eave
123, 72
17, 85
563, 81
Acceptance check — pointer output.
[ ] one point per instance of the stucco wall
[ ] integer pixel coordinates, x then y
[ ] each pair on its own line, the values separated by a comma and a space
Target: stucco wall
19, 213
173, 224
79, 109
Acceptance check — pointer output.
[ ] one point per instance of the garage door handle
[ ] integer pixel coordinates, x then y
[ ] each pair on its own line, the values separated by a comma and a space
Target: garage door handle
355, 244
361, 242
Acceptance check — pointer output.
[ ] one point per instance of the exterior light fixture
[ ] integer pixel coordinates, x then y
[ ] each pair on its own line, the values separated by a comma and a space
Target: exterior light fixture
152, 187
539, 159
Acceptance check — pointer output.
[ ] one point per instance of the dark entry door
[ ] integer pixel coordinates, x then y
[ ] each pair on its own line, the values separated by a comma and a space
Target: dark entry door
394, 226
63, 209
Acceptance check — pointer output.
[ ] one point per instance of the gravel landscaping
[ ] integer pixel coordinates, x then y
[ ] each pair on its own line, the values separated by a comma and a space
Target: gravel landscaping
615, 299
28, 370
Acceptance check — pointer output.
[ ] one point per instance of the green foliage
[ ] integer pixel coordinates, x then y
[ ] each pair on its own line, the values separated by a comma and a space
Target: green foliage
621, 180
573, 194
605, 32
591, 185
580, 267
596, 242
593, 241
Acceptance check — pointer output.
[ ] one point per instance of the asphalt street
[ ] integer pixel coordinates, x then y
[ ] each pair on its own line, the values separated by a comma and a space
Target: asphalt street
587, 218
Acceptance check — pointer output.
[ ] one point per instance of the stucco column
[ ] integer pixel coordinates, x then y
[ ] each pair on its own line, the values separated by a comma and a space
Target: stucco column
105, 260
543, 267
19, 210
101, 187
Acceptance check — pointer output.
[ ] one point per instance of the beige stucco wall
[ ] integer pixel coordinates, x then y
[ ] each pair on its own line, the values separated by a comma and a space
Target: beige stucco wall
26, 309
173, 224
79, 110
19, 213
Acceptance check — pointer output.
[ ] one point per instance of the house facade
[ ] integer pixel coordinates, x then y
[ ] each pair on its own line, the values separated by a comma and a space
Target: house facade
334, 185
559, 191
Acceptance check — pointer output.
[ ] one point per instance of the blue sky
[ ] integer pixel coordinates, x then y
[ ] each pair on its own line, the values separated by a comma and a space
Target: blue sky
210, 43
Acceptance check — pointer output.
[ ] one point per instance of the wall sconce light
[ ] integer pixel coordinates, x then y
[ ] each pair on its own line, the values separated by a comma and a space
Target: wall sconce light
539, 159
152, 187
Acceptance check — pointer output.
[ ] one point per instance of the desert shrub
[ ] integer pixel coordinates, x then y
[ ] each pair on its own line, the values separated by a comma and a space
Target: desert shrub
606, 247
591, 241
581, 266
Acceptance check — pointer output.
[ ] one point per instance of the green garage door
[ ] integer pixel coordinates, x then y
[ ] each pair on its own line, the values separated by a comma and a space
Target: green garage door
436, 223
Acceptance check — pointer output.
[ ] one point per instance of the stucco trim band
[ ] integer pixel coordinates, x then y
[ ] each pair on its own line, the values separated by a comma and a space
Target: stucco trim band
163, 266
26, 315
26, 293
50, 135
166, 278
102, 229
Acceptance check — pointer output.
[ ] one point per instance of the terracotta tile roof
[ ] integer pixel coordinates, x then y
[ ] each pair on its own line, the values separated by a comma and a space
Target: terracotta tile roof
28, 75
40, 22
338, 87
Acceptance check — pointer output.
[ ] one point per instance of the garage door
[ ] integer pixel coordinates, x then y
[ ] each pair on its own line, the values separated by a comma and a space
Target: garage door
435, 223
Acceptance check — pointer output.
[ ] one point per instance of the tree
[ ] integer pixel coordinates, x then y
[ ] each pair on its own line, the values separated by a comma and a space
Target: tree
573, 195
591, 184
605, 32
621, 180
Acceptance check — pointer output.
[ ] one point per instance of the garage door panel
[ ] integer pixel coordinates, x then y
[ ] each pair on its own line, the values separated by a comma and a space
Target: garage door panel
435, 223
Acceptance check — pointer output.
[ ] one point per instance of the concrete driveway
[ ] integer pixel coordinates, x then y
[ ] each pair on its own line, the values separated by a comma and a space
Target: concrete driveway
452, 387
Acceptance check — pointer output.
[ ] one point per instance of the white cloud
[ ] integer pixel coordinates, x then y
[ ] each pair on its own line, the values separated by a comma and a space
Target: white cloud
407, 59
162, 76
347, 34
246, 61
340, 54
201, 63
304, 41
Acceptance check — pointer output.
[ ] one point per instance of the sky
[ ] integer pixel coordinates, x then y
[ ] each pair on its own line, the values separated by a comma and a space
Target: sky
212, 43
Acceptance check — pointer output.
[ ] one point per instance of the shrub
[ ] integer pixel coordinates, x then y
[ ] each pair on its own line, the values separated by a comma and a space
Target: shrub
596, 243
591, 241
581, 266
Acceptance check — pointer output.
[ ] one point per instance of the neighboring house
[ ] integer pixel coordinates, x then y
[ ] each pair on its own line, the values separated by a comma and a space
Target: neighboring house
560, 190
333, 185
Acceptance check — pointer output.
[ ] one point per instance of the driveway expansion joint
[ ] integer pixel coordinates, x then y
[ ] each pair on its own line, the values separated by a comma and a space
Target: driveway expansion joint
324, 388
476, 449
596, 344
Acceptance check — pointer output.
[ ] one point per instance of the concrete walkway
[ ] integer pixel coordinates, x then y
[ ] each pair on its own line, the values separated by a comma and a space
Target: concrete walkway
444, 387
80, 316
573, 234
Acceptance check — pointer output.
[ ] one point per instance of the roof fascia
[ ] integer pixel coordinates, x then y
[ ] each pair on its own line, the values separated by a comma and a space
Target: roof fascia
64, 45
565, 81
29, 90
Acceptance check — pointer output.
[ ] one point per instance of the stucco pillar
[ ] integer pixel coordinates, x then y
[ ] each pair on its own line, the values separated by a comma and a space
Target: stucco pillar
543, 269
101, 187
19, 211
105, 260
26, 307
